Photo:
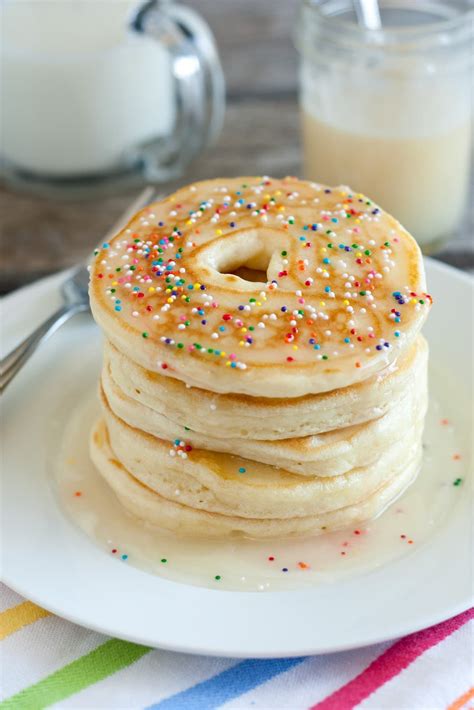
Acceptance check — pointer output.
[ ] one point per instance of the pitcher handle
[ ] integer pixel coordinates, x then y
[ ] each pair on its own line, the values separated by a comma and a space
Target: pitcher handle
198, 80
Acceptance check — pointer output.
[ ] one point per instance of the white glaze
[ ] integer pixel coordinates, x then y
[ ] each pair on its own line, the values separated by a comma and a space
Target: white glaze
244, 565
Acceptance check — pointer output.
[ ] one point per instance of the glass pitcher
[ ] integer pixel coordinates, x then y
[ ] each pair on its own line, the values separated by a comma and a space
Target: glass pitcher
93, 90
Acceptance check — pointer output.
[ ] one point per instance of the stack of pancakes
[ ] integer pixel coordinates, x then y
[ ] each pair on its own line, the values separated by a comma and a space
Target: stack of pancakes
264, 372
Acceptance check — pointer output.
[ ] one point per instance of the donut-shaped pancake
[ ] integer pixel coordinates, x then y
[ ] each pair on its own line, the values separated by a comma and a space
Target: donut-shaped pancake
148, 505
271, 288
231, 416
213, 481
327, 454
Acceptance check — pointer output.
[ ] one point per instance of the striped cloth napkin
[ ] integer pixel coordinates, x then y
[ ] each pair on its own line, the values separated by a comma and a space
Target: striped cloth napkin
49, 662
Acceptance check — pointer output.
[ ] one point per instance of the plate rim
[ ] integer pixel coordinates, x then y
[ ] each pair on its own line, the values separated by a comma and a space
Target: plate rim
224, 653
81, 618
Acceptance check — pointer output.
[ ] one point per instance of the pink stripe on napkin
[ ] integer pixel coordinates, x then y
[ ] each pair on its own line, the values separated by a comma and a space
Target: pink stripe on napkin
390, 663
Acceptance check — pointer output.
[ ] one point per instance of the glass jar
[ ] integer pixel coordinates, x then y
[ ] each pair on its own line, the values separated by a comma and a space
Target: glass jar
389, 112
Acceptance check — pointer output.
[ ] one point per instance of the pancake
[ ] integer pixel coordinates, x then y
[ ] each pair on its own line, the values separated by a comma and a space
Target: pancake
232, 485
333, 292
240, 416
156, 510
326, 454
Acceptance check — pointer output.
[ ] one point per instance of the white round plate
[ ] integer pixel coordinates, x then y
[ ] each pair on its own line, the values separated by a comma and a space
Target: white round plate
50, 561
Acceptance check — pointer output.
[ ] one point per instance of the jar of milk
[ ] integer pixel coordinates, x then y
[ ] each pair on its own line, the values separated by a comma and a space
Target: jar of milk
389, 111
93, 91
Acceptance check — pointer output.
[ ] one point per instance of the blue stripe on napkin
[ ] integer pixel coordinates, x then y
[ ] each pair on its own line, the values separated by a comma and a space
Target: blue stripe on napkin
227, 685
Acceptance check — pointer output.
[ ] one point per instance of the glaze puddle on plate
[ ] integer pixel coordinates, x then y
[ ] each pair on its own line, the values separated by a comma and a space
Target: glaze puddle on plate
248, 565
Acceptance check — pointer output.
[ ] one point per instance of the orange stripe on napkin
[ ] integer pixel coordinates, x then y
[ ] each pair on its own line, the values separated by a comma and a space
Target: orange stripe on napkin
462, 700
17, 617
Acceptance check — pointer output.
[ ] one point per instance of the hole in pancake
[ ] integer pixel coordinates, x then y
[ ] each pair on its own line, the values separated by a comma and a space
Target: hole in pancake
253, 275
249, 263
244, 258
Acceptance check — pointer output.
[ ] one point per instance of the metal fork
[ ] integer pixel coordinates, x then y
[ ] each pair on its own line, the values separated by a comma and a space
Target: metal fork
75, 295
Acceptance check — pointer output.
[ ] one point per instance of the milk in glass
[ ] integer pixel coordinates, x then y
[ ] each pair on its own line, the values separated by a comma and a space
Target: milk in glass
79, 90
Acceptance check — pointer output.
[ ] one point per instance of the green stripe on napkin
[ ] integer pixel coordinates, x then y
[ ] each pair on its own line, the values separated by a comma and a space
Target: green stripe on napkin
103, 661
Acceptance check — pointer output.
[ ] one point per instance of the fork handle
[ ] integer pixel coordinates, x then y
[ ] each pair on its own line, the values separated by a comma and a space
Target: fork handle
14, 361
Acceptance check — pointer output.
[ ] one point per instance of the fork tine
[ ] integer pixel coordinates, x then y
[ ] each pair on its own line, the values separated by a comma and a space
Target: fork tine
74, 291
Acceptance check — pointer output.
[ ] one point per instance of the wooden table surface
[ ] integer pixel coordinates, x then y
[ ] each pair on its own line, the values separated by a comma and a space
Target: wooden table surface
41, 235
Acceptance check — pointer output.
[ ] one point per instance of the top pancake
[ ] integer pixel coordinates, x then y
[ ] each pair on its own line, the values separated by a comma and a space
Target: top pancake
343, 294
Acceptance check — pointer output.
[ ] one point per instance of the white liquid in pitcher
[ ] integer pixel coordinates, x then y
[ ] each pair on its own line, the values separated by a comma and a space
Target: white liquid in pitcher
79, 91
401, 135
248, 565
420, 180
